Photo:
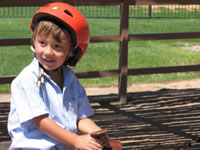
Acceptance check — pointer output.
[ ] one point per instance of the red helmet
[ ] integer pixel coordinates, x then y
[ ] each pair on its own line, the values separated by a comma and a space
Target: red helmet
66, 15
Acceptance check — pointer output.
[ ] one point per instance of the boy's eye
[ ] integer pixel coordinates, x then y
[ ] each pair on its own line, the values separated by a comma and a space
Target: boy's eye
58, 47
42, 43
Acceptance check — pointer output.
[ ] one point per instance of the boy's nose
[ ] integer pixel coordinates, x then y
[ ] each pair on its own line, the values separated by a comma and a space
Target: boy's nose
48, 51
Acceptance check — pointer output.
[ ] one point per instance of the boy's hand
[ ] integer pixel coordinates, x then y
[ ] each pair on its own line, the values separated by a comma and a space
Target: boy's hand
86, 142
102, 136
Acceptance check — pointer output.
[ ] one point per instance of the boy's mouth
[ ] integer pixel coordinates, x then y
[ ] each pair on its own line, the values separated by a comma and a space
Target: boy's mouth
49, 60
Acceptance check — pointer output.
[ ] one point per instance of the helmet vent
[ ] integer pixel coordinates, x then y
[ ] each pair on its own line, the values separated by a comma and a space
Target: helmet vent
67, 12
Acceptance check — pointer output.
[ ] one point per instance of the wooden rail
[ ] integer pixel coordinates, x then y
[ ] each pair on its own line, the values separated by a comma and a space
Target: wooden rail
124, 37
12, 3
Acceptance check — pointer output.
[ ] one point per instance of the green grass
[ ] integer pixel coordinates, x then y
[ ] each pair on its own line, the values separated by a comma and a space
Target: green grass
102, 56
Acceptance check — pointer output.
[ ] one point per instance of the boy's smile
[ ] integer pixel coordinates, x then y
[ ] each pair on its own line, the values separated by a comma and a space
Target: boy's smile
52, 53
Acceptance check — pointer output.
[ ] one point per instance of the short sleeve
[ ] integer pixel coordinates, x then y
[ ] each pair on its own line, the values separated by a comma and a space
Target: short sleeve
27, 98
85, 109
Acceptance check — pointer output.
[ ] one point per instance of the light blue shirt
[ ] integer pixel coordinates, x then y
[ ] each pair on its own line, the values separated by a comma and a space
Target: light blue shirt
65, 107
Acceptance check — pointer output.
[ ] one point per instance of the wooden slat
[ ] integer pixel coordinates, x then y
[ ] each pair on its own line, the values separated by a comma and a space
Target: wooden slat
159, 70
15, 42
12, 3
27, 41
6, 80
165, 2
116, 72
114, 38
106, 38
98, 74
123, 52
90, 74
163, 36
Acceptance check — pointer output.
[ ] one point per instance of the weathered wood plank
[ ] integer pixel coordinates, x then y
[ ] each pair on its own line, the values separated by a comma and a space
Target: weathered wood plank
12, 3
114, 38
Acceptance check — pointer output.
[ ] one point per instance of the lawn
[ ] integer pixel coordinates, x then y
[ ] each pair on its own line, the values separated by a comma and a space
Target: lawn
101, 56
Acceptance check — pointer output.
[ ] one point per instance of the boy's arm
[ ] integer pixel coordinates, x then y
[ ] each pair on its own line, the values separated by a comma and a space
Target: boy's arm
86, 126
58, 133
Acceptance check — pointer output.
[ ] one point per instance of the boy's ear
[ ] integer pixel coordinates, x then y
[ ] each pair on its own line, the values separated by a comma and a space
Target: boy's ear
32, 44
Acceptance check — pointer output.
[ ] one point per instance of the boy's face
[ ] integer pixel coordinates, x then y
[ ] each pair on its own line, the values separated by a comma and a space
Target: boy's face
51, 53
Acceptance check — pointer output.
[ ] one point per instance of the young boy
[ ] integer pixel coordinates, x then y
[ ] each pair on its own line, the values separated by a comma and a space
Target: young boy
48, 104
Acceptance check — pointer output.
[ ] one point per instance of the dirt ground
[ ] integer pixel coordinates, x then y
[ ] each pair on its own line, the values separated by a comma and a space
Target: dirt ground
157, 116
105, 90
182, 84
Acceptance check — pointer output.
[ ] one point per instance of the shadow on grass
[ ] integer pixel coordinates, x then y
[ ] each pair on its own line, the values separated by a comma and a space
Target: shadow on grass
165, 119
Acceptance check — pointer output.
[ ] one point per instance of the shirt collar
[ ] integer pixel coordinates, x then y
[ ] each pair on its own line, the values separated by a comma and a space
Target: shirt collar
68, 74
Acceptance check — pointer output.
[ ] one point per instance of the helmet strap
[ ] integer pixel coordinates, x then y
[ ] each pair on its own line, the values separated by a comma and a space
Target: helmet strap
75, 47
40, 76
32, 49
